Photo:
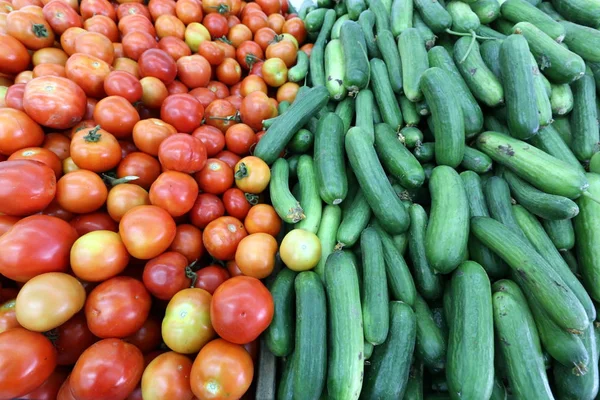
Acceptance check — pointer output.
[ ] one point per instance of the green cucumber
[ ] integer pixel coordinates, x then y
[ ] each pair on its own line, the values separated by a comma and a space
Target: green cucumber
367, 23
486, 10
563, 127
426, 33
583, 40
401, 17
425, 152
571, 261
287, 206
490, 53
309, 195
340, 8
314, 19
316, 60
549, 9
431, 343
584, 12
476, 161
521, 10
561, 99
422, 108
396, 158
391, 57
354, 49
382, 15
498, 391
334, 70
355, 7
279, 336
330, 222
434, 15
587, 237
382, 90
549, 140
301, 142
561, 232
414, 62
330, 168
285, 389
595, 67
464, 20
491, 123
346, 363
486, 31
503, 25
409, 111
543, 91
387, 376
356, 218
584, 118
375, 307
594, 165
335, 31
411, 136
448, 228
368, 350
414, 387
364, 112
345, 110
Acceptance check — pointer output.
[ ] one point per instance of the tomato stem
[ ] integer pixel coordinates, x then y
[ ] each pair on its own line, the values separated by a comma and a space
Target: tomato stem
39, 30
52, 335
251, 59
191, 274
251, 198
111, 181
221, 8
242, 171
235, 117
277, 39
224, 40
93, 136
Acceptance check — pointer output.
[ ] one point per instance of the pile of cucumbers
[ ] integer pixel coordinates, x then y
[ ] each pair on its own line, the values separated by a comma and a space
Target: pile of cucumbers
446, 155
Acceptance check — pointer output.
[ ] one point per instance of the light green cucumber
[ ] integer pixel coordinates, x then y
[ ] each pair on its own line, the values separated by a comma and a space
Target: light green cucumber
414, 61
327, 234
334, 70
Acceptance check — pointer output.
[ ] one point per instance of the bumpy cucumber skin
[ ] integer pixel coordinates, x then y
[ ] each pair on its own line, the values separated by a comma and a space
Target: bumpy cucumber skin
330, 222
587, 236
431, 342
521, 10
396, 158
549, 9
414, 62
409, 111
355, 7
584, 118
279, 336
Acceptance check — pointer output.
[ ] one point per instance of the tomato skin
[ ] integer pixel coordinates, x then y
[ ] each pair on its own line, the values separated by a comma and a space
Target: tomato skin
274, 72
182, 152
14, 57
159, 64
215, 178
148, 134
300, 250
7, 222
228, 158
148, 337
81, 192
263, 218
88, 72
117, 116
95, 44
252, 175
295, 27
14, 96
240, 138
18, 131
210, 278
91, 222
256, 108
124, 84
255, 255
236, 203
142, 165
194, 71
222, 236
188, 242
98, 256
189, 11
166, 275
72, 338
49, 389
117, 307
26, 187
187, 327
109, 369
123, 197
175, 192
285, 50
39, 154
183, 112
95, 149
27, 359
220, 114
125, 9
167, 377
147, 231
168, 25
30, 29
175, 47
107, 27
226, 364
206, 209
212, 52
8, 315
89, 8
212, 137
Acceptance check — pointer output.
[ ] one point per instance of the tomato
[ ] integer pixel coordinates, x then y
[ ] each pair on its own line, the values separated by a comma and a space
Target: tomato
235, 99
287, 92
135, 22
95, 44
24, 77
221, 237
7, 222
189, 11
8, 315
121, 83
274, 72
207, 208
215, 178
98, 255
27, 359
204, 95
14, 57
238, 34
228, 157
123, 197
159, 64
167, 377
187, 327
264, 36
72, 338
220, 6
253, 83
252, 175
270, 6
117, 116
139, 164
125, 9
300, 250
81, 192
228, 50
229, 71
148, 337
109, 369
210, 278
49, 69
295, 27
49, 389
195, 33
256, 107
26, 187
147, 231
275, 22
166, 275
18, 131
148, 134
177, 87
169, 25
237, 203
175, 47
88, 72
95, 149
212, 53
183, 153
49, 300
194, 71
30, 29
255, 255
135, 43
188, 242
58, 144
175, 192
117, 307
182, 111
49, 55
249, 53
284, 49
39, 154
93, 222
14, 96
216, 24
89, 8
255, 21
263, 218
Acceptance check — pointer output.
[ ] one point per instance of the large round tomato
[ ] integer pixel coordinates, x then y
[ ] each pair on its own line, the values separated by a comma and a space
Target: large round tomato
300, 250
35, 245
166, 275
263, 218
88, 72
182, 152
81, 192
193, 71
221, 371
212, 137
18, 131
30, 29
256, 107
124, 84
123, 198
206, 209
237, 203
216, 177
159, 64
255, 255
95, 149
187, 326
221, 237
147, 231
26, 187
240, 138
241, 309
72, 338
274, 72
8, 315
117, 116
210, 278
182, 111
188, 241
109, 369
175, 192
167, 377
117, 307
42, 155
14, 57
98, 256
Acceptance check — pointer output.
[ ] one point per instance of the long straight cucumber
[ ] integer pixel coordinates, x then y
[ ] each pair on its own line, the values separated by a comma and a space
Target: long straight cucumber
382, 89
309, 197
414, 62
396, 158
330, 222
354, 48
364, 112
279, 336
584, 118
588, 239
334, 70
401, 17
330, 167
431, 342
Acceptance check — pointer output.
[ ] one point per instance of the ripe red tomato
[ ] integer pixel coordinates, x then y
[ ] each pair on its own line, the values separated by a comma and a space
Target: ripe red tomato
26, 187
125, 9
256, 107
210, 278
174, 192
216, 177
188, 241
236, 203
182, 152
212, 52
27, 359
117, 307
14, 96
116, 115
264, 36
175, 47
212, 137
216, 24
109, 369
295, 27
147, 231
241, 309
89, 8
49, 389
248, 53
221, 237
37, 244
159, 64
148, 134
221, 370
207, 208
148, 337
81, 192
95, 149
18, 131
30, 29
182, 111
168, 25
136, 22
166, 275
72, 338
238, 33
98, 256
8, 315
107, 27
168, 377
14, 57
95, 221
189, 11
194, 71
39, 154
135, 43
57, 143
263, 218
229, 71
240, 138
88, 72
95, 44
124, 84
228, 157
253, 83
123, 197
142, 165
220, 114
49, 69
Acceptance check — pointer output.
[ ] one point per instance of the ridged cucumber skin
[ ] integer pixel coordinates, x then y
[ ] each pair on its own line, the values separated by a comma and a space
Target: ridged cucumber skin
414, 62
329, 163
287, 206
414, 386
434, 15
561, 232
525, 364
561, 99
587, 243
345, 363
584, 118
540, 278
473, 116
391, 57
447, 114
550, 141
364, 112
396, 158
355, 219
367, 22
310, 201
409, 111
375, 306
387, 376
279, 336
521, 10
481, 80
490, 53
428, 283
475, 160
549, 9
583, 12
310, 354
448, 229
426, 33
464, 20
373, 181
497, 196
431, 343
354, 49
556, 62
540, 169
327, 234
401, 17
334, 70
285, 386
384, 96
486, 10
470, 364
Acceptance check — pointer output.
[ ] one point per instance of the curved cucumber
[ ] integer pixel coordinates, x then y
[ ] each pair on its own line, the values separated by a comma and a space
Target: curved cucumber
561, 232
337, 27
396, 158
330, 222
299, 71
414, 387
355, 7
490, 53
309, 195
367, 23
287, 206
409, 111
431, 342
279, 336
434, 15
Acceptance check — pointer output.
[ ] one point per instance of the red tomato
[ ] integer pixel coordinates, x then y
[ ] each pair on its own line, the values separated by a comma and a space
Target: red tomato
95, 149
228, 157
167, 377
18, 131
177, 87
135, 43
207, 208
216, 24
169, 25
125, 9
182, 111
88, 72
212, 52
148, 337
14, 96
160, 7
72, 338
166, 275
275, 22
235, 99
175, 192
175, 47
248, 53
229, 71
98, 255
117, 116
240, 138
263, 218
107, 27
295, 27
182, 152
89, 8
49, 69
142, 165
147, 231
270, 6
109, 369
241, 309
221, 237
49, 389
95, 44
58, 144
219, 88
81, 192
194, 71
236, 203
264, 36
117, 307
159, 64
189, 11
210, 278
30, 29
220, 6
284, 49
253, 83
274, 72
148, 134
26, 187
123, 197
7, 222
8, 316
204, 95
39, 154
221, 370
121, 83
27, 359
188, 241
256, 107
238, 33
221, 114
216, 177
14, 57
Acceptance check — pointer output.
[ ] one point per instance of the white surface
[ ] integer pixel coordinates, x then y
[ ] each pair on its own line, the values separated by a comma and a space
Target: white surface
298, 3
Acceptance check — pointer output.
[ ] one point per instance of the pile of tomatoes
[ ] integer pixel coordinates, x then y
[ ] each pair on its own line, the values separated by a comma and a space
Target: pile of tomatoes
134, 228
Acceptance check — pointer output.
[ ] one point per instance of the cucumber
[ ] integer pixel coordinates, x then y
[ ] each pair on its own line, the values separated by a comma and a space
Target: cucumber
368, 350
490, 53
364, 112
486, 31
410, 136
279, 336
595, 67
301, 142
414, 387
556, 62
340, 9
525, 364
330, 222
382, 15
448, 228
594, 165
549, 9
346, 363
387, 376
356, 218
355, 7
391, 57
470, 369
310, 354
414, 62
367, 23
285, 389
491, 123
334, 70
561, 232
317, 55
309, 195
287, 206
425, 152
503, 25
434, 15
542, 94
299, 71
486, 10
476, 161
423, 109
571, 261
584, 12
483, 83
382, 91
345, 110
464, 20
561, 99
401, 17
431, 342
354, 49
446, 111
587, 242
409, 111
314, 19
549, 140
582, 40
330, 168
335, 31
426, 33
543, 171
375, 306
396, 159
283, 129
539, 277
498, 391
563, 127
584, 118
521, 10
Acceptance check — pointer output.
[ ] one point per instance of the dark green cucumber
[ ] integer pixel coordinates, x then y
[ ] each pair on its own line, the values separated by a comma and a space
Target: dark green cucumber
556, 62
411, 136
364, 112
401, 242
476, 161
391, 57
569, 257
486, 10
426, 33
382, 15
334, 70
561, 99
401, 17
284, 128
503, 25
525, 364
382, 91
549, 140
585, 12
587, 237
301, 142
310, 354
279, 336
345, 110
563, 127
335, 31
464, 20
354, 48
582, 40
368, 350
549, 9
521, 10
355, 7
314, 20
595, 67
340, 8
414, 387
447, 114
330, 222
434, 15
448, 228
299, 71
285, 387
330, 167
490, 53
387, 376
346, 363
491, 123
287, 206
431, 342
498, 391
543, 171
561, 232
470, 368
317, 55
367, 23
425, 152
543, 91
427, 282
414, 61
375, 307
481, 80
409, 111
558, 300
356, 218
584, 118
396, 158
